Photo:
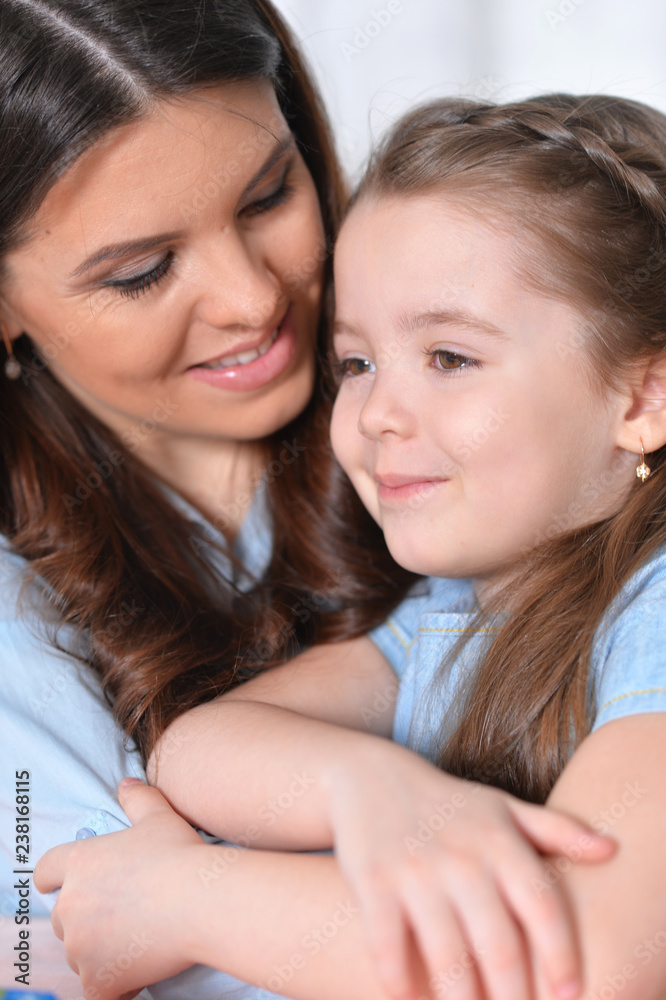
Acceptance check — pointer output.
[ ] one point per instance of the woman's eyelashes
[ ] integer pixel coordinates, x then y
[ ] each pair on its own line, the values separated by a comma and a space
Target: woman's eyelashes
132, 288
281, 194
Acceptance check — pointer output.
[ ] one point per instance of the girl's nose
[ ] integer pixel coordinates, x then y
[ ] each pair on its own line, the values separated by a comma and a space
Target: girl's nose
238, 287
387, 410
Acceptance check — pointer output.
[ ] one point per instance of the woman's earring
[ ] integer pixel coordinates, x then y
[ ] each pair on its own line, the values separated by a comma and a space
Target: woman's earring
12, 366
642, 470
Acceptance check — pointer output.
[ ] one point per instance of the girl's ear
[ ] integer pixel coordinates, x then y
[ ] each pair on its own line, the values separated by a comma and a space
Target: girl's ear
645, 417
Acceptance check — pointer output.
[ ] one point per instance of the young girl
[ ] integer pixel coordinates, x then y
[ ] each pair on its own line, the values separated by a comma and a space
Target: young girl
501, 323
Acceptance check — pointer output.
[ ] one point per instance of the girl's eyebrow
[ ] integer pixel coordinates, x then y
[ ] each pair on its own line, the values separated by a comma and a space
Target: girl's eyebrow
411, 322
126, 249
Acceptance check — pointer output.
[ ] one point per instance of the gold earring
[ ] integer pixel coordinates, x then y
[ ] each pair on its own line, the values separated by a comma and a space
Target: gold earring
12, 366
642, 470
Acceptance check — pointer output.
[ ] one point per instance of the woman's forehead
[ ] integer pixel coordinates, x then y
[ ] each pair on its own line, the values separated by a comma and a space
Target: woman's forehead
155, 170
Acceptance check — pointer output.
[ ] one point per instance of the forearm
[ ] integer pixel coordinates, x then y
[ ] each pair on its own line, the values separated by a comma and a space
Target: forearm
287, 923
249, 767
259, 775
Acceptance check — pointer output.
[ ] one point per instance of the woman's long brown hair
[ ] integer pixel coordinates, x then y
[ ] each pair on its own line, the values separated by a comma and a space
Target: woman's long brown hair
118, 562
583, 181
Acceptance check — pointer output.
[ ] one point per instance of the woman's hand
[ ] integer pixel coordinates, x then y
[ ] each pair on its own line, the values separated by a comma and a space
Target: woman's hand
118, 910
457, 867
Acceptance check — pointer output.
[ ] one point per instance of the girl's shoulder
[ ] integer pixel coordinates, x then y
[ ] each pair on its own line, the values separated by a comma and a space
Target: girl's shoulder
430, 595
629, 653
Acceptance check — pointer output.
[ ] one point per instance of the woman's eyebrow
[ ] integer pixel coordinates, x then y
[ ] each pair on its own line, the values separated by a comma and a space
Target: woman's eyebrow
127, 248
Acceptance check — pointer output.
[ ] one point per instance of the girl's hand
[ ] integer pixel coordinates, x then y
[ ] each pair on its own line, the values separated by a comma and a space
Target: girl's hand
116, 886
457, 867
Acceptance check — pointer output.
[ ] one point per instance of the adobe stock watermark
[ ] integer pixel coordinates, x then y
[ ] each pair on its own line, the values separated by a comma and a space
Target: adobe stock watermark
645, 952
216, 180
107, 974
132, 438
364, 34
443, 983
560, 14
383, 702
227, 855
312, 943
427, 829
602, 823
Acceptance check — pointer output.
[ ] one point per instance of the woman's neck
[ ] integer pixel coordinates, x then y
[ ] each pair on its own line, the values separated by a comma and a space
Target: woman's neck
219, 478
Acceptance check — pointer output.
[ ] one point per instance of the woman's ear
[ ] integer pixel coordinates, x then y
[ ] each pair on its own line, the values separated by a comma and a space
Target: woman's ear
645, 418
10, 320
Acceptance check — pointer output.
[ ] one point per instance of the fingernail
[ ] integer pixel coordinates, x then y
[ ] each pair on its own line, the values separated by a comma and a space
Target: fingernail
570, 990
130, 781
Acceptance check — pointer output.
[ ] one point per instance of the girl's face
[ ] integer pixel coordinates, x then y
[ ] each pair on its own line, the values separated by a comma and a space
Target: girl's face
466, 417
176, 269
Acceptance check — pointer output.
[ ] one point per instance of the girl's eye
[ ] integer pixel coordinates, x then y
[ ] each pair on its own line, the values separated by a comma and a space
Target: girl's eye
449, 361
132, 288
279, 196
354, 366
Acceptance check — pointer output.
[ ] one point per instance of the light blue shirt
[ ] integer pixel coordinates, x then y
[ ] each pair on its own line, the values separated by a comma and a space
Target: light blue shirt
56, 724
628, 663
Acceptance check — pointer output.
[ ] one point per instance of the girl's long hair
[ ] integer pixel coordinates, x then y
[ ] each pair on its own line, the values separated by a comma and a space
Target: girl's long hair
117, 561
584, 181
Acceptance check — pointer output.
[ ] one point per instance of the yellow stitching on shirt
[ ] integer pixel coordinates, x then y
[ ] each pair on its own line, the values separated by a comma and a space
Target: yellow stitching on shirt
400, 639
630, 694
459, 630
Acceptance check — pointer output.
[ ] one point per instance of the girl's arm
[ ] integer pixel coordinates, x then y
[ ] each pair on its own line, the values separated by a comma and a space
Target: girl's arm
615, 782
246, 768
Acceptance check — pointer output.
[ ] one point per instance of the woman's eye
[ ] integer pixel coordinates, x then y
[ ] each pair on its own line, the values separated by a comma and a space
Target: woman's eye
132, 288
355, 366
279, 196
449, 361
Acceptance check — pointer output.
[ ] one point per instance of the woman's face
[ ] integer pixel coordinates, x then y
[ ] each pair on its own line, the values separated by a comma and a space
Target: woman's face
173, 274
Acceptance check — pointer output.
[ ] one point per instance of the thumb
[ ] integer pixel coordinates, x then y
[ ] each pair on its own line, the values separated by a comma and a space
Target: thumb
553, 832
141, 801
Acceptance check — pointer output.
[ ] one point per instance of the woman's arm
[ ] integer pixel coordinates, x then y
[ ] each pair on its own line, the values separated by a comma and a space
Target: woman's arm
615, 782
288, 923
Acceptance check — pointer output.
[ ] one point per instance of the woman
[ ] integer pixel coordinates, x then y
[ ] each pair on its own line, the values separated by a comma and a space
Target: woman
172, 518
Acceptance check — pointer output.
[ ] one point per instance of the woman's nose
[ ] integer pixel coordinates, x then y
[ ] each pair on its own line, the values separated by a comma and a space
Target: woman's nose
238, 287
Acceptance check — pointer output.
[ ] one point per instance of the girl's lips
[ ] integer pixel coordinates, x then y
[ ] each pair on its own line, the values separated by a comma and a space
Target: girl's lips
400, 488
262, 371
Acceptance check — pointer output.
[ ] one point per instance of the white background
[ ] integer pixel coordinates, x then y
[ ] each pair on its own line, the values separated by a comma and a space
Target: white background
492, 49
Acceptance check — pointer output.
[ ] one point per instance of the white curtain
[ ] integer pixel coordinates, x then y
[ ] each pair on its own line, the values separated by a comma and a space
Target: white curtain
373, 60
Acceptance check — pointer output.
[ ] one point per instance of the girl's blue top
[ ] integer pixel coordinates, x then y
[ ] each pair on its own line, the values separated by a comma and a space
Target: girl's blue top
628, 663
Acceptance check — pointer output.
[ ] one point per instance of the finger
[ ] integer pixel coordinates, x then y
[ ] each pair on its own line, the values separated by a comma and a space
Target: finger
56, 924
502, 959
543, 914
50, 870
553, 832
141, 801
387, 936
445, 951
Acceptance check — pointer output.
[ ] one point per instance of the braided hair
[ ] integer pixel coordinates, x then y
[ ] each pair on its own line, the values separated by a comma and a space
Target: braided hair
583, 179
